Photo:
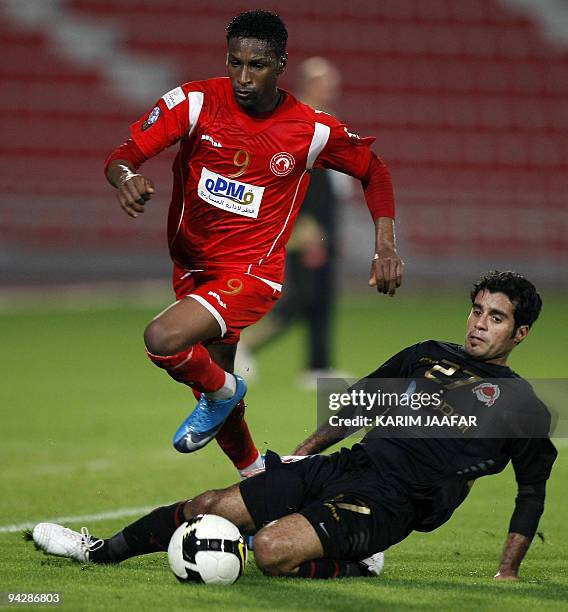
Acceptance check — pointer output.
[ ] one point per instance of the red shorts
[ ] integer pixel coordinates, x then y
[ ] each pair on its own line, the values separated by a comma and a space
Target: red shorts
235, 299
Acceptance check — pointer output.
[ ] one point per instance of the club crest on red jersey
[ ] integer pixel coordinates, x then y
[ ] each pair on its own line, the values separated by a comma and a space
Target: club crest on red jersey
487, 393
282, 163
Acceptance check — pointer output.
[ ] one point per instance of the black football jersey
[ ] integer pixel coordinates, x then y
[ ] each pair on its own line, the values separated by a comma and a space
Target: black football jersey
438, 469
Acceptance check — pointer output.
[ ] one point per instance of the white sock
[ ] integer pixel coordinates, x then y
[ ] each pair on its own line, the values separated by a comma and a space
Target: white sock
257, 464
226, 391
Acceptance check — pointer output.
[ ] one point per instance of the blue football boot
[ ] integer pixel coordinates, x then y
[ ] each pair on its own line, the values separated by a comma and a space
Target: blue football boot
203, 424
250, 542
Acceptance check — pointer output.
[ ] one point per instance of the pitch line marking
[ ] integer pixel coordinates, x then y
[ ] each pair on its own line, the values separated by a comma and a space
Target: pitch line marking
101, 516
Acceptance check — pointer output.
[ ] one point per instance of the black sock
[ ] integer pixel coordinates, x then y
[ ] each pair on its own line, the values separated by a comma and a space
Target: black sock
151, 533
318, 569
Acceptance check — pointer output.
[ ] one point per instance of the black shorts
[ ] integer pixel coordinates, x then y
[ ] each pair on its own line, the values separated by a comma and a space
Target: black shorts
354, 511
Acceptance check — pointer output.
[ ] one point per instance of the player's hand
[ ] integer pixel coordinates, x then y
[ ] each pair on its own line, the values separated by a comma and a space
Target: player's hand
506, 575
301, 450
387, 269
133, 193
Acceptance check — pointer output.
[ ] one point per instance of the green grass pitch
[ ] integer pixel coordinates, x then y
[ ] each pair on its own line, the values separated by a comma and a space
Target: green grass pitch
86, 429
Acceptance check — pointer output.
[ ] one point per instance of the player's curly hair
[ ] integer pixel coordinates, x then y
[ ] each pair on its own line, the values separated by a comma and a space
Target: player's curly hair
518, 289
262, 25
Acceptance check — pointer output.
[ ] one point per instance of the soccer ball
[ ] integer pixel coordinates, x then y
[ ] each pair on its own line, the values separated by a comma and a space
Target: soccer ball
207, 548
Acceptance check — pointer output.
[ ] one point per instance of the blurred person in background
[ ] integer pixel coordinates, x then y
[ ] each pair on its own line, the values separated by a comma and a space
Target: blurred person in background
311, 253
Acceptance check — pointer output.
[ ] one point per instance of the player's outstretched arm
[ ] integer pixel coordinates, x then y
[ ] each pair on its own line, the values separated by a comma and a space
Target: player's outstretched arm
327, 435
350, 154
515, 549
387, 267
320, 440
532, 462
133, 190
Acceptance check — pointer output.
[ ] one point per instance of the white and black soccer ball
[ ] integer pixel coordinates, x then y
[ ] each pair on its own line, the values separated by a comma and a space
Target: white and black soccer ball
207, 548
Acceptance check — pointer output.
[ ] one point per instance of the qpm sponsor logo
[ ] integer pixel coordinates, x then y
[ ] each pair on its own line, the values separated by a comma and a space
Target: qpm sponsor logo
231, 190
230, 195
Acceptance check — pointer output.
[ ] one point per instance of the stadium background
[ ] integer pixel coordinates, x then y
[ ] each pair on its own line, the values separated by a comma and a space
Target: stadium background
469, 101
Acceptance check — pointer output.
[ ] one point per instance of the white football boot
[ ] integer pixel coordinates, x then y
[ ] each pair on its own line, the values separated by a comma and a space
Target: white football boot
63, 542
374, 563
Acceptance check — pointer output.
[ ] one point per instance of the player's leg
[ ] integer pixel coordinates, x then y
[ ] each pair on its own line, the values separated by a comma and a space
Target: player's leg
174, 342
319, 312
331, 514
283, 505
151, 533
236, 301
234, 437
283, 546
290, 546
237, 443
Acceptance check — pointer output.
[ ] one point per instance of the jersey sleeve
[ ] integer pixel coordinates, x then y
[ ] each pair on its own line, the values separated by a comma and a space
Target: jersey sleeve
345, 151
128, 151
349, 153
164, 124
532, 460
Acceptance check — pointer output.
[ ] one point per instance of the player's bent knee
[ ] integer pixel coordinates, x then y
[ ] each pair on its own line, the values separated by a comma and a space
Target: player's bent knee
264, 552
268, 554
161, 339
206, 503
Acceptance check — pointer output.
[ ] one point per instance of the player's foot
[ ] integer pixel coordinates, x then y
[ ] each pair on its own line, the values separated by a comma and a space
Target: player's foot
63, 542
256, 467
374, 563
203, 424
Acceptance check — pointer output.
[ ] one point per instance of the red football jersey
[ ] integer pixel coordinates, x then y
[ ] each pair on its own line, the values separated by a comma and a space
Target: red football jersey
239, 180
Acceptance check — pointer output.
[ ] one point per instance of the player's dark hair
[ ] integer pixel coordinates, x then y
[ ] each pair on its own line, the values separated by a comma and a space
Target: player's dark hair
262, 25
518, 289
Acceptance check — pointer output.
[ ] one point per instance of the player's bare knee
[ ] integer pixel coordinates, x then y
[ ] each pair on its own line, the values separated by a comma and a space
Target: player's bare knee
263, 548
206, 503
269, 555
161, 339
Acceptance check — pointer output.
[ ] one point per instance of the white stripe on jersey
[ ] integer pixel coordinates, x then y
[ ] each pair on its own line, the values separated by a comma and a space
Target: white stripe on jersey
272, 284
195, 99
287, 218
212, 310
319, 140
